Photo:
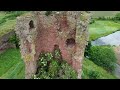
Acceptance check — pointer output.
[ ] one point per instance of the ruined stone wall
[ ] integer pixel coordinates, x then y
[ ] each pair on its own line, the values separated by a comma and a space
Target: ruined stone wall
42, 33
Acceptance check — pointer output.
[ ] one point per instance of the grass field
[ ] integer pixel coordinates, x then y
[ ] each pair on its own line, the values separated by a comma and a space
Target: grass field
8, 21
11, 65
7, 26
102, 28
104, 13
89, 66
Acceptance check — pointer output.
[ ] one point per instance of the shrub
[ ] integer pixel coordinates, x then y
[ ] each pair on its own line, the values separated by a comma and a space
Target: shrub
117, 16
101, 18
103, 56
49, 68
54, 68
93, 75
2, 21
92, 21
15, 40
87, 49
106, 18
67, 72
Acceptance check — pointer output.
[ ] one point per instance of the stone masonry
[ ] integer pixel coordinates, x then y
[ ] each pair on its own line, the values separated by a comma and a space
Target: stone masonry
39, 33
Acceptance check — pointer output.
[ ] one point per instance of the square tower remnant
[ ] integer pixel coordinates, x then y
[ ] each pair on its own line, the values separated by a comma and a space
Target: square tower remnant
43, 31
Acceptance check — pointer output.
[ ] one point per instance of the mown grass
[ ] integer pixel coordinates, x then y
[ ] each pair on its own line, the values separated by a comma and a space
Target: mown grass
8, 21
104, 13
89, 66
11, 65
7, 27
102, 28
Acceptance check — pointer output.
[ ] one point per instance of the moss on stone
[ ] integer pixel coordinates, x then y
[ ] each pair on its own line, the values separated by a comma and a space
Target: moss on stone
27, 57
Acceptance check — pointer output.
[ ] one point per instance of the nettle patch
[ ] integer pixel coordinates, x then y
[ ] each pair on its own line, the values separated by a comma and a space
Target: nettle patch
52, 68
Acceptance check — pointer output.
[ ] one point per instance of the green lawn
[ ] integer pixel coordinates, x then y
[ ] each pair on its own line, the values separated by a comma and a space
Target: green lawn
9, 21
7, 26
89, 66
104, 13
102, 28
11, 65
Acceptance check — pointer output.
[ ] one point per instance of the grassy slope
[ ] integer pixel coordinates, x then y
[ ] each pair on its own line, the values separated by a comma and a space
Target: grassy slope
104, 13
11, 64
90, 66
102, 28
9, 25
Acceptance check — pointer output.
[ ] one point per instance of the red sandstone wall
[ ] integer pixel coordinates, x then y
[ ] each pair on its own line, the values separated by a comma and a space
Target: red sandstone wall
39, 33
49, 36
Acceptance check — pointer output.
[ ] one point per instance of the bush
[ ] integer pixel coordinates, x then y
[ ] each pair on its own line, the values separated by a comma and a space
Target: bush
2, 21
49, 68
117, 16
67, 72
15, 40
53, 68
103, 56
101, 18
93, 75
87, 49
106, 18
92, 21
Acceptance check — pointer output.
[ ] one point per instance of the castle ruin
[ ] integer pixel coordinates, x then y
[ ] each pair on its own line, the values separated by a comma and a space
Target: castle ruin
43, 32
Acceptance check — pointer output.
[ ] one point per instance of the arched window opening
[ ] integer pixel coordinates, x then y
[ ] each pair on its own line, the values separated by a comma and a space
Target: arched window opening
31, 24
70, 42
